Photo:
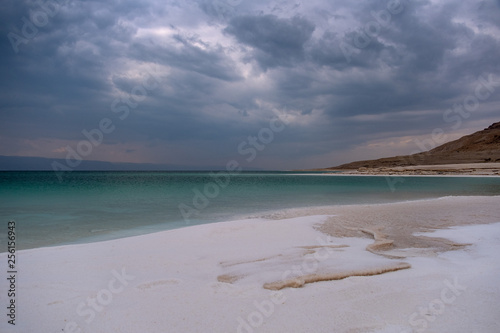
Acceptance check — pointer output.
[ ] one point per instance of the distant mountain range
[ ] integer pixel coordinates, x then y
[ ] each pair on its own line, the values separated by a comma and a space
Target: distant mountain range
479, 147
21, 163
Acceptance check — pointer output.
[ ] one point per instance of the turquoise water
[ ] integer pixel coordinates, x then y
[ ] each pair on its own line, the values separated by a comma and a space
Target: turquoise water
92, 206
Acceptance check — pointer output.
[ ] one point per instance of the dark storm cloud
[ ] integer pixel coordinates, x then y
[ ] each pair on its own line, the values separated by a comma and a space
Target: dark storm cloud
416, 54
277, 42
228, 66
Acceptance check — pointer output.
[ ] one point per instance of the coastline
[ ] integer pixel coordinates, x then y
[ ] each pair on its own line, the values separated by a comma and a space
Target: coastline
211, 277
470, 169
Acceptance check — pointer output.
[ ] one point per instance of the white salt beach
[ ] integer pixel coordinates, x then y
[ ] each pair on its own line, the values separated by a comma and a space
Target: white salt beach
211, 278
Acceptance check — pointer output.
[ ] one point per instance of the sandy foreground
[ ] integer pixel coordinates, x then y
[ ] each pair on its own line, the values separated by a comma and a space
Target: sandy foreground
475, 169
422, 266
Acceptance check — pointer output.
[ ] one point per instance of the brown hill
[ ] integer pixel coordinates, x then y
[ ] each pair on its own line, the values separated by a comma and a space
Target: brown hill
479, 147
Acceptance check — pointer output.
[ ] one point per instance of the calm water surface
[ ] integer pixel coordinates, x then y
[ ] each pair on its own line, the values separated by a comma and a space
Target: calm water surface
93, 206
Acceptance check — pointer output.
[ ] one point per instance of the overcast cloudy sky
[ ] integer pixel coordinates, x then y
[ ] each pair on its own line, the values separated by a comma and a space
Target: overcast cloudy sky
188, 82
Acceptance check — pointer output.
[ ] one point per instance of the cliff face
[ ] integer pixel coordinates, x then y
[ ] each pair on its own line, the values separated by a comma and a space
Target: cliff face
479, 147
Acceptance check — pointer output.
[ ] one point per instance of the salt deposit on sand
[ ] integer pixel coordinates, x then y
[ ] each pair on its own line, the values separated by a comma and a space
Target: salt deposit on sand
211, 278
469, 169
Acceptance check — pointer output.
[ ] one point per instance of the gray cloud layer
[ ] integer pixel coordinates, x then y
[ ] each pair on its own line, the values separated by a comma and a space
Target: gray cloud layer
351, 80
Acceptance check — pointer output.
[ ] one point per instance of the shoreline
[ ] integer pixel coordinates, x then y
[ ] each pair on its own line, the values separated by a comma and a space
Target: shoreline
264, 214
459, 170
393, 174
212, 276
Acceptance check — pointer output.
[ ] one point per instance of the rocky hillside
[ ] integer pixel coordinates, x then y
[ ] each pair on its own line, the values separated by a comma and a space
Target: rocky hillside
479, 147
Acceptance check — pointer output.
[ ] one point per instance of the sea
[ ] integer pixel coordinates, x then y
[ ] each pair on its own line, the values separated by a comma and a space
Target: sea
87, 207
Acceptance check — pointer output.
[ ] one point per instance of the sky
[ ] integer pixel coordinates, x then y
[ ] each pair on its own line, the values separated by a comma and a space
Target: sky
269, 84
